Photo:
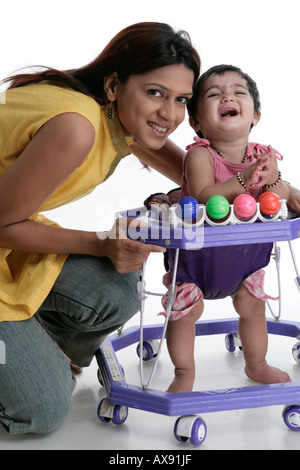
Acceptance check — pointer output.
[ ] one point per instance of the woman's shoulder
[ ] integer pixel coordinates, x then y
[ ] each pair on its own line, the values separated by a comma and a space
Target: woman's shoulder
52, 99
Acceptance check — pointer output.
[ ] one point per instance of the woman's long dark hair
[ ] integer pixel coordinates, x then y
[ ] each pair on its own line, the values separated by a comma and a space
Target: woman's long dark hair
134, 50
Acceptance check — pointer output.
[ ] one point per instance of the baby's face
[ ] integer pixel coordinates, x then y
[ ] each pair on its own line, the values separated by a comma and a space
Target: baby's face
225, 106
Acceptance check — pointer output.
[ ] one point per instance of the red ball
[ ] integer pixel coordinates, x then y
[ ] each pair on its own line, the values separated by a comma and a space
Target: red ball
269, 203
244, 206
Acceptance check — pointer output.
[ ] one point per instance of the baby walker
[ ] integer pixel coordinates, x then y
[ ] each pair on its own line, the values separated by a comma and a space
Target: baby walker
191, 226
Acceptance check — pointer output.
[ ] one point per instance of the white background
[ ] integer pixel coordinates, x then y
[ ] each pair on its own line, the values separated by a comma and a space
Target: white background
261, 37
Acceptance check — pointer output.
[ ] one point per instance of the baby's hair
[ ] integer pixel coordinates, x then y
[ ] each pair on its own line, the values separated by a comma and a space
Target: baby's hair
220, 70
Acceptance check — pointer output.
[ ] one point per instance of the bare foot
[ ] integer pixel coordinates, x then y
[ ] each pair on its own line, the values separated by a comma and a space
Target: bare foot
266, 374
181, 385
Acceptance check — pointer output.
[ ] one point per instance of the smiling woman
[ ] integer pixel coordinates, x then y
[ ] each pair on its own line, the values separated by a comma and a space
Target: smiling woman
62, 133
157, 102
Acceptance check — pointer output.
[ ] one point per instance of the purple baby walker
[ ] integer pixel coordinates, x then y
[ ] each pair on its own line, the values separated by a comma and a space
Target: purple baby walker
193, 235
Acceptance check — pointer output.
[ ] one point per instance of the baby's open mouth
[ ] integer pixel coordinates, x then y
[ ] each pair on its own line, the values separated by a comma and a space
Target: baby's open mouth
229, 112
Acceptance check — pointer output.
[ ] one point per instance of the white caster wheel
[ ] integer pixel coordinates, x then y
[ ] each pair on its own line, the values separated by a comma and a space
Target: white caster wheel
120, 414
291, 417
107, 412
232, 341
296, 352
192, 428
150, 349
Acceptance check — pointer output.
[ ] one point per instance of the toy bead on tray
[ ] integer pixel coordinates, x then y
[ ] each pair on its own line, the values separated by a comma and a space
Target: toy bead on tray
218, 211
188, 208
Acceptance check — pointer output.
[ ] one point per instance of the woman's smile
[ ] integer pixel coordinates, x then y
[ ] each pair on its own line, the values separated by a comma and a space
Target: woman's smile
158, 129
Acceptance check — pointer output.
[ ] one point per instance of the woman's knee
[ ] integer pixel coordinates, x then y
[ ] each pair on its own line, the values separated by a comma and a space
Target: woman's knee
105, 297
36, 381
35, 413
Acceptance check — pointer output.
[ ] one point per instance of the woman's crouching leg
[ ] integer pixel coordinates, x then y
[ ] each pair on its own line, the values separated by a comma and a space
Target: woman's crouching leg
36, 380
88, 301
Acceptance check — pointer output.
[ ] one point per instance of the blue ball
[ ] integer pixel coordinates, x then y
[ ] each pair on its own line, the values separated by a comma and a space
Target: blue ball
188, 208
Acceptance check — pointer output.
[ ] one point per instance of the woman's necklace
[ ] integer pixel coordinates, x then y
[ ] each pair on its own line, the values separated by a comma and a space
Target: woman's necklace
243, 159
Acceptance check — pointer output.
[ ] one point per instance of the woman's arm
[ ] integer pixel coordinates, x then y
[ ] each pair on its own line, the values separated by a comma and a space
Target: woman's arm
43, 165
55, 152
57, 149
168, 160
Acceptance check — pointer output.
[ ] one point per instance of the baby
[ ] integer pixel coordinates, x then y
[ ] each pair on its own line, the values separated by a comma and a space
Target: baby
223, 110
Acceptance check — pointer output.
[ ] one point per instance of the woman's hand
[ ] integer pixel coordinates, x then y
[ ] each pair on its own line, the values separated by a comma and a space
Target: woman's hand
126, 255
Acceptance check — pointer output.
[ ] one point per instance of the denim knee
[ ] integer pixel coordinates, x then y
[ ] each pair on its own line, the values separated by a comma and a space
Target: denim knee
93, 295
48, 415
88, 301
36, 414
36, 381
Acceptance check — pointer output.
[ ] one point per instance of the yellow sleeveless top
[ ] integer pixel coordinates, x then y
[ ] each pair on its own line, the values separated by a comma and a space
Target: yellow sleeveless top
27, 278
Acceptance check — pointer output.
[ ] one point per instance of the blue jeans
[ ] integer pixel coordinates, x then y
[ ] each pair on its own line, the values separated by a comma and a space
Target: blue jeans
88, 301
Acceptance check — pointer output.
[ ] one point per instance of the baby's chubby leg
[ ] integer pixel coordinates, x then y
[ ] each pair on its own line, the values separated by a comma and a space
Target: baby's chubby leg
181, 340
254, 337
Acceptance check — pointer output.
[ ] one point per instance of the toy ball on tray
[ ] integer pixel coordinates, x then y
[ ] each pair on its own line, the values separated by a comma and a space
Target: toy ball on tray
217, 207
269, 203
244, 206
188, 208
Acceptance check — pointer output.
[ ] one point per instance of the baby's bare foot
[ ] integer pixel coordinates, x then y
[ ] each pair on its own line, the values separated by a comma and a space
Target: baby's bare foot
181, 385
266, 374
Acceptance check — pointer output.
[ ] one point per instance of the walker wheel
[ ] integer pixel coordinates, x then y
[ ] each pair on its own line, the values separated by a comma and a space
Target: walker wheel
178, 436
100, 411
150, 349
232, 341
191, 428
107, 412
296, 352
120, 414
291, 417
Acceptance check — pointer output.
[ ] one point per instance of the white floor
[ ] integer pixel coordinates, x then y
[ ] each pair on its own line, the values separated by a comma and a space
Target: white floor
250, 429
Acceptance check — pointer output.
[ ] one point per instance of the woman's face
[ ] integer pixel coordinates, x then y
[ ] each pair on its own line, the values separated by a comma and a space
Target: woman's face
152, 105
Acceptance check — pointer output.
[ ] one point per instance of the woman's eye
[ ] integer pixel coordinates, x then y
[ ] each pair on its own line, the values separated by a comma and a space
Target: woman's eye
182, 99
154, 92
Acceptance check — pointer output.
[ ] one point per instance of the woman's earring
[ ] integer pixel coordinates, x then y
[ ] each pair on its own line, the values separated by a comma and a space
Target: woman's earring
110, 111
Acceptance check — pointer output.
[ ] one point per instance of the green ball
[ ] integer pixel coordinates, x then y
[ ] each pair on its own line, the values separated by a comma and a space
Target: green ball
217, 207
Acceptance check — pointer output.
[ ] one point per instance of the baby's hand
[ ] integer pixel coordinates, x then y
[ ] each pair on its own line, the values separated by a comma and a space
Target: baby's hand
268, 167
264, 171
252, 176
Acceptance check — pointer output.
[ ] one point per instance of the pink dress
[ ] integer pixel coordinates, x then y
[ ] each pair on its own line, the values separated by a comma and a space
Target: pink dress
189, 293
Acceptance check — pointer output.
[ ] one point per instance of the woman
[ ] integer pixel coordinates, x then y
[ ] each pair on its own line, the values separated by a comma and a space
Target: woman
62, 133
